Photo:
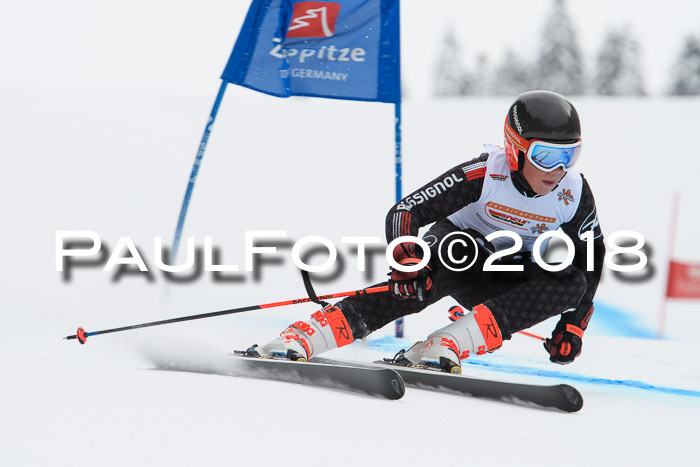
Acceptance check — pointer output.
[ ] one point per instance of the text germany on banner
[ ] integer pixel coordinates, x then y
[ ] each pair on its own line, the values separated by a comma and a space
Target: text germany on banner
683, 280
347, 49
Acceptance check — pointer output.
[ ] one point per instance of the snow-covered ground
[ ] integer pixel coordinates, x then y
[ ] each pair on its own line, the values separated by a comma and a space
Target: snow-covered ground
102, 106
116, 162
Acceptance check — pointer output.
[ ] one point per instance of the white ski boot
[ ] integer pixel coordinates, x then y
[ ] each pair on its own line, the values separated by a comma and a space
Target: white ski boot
327, 329
475, 332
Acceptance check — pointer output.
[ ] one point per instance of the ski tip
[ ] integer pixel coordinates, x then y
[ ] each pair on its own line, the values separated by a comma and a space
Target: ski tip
574, 398
398, 386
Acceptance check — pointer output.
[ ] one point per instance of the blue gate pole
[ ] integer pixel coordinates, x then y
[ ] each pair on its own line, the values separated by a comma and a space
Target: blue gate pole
195, 170
397, 136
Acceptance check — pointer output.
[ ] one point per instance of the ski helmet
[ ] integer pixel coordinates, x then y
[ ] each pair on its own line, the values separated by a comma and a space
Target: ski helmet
538, 115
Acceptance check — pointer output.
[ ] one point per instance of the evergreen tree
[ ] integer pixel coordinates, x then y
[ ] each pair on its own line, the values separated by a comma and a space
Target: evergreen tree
450, 76
619, 70
560, 64
686, 73
513, 76
481, 80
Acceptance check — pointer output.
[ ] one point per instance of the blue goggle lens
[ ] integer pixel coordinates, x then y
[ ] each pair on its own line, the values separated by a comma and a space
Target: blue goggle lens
548, 156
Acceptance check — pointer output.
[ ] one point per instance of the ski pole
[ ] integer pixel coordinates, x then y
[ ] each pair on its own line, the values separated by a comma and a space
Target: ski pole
82, 335
534, 336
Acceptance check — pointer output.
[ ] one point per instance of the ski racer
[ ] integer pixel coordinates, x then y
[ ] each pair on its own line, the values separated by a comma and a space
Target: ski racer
518, 193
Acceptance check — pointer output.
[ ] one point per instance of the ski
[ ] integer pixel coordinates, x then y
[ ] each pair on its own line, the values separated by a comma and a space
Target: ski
372, 381
560, 396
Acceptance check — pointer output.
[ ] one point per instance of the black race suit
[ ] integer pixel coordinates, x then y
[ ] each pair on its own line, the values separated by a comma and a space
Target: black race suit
518, 300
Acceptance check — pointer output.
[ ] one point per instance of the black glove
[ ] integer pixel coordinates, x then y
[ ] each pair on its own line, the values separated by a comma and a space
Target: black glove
416, 284
566, 342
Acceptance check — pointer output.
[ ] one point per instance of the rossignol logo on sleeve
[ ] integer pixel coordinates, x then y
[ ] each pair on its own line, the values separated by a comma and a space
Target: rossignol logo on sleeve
313, 19
430, 192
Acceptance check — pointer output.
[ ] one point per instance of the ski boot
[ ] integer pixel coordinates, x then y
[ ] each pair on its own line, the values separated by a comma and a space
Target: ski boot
435, 353
474, 332
327, 329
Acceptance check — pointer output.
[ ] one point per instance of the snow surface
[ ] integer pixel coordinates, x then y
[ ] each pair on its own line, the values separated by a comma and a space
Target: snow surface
102, 106
116, 162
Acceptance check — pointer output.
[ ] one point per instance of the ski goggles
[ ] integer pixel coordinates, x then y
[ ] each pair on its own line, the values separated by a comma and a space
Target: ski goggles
548, 156
544, 155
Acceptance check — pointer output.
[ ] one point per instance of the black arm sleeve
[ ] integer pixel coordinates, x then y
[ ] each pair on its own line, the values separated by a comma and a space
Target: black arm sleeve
586, 219
436, 200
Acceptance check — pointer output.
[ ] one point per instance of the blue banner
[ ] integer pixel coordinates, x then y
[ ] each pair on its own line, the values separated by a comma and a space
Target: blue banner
344, 49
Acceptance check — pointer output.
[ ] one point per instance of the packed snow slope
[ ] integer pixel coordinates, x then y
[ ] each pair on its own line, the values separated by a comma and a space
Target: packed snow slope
117, 163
